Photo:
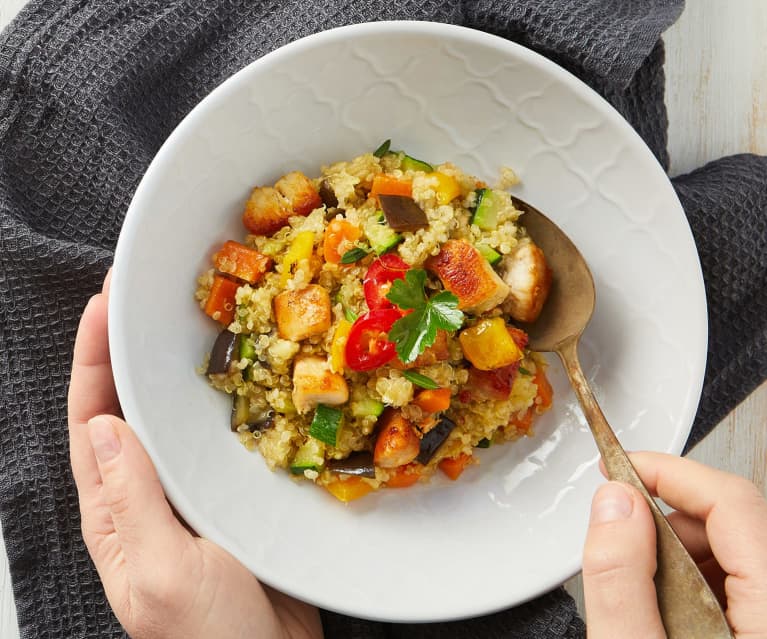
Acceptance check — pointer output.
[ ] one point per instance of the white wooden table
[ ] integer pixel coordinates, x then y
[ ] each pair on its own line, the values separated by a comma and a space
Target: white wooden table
716, 92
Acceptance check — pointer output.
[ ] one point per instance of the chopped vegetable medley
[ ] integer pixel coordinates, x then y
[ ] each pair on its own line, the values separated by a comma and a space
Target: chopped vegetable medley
369, 323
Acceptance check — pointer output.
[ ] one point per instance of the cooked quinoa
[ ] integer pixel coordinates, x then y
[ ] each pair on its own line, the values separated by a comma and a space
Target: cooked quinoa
289, 297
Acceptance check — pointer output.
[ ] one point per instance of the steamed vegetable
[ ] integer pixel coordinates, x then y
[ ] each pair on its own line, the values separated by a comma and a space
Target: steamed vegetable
379, 278
434, 439
221, 302
390, 185
486, 211
325, 424
454, 466
488, 344
226, 349
340, 236
402, 213
349, 488
358, 463
368, 345
242, 262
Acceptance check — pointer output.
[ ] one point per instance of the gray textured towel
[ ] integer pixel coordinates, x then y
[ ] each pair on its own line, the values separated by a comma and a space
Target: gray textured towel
89, 90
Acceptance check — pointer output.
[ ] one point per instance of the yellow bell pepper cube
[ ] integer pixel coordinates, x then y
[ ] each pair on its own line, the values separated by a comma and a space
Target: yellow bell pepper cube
338, 346
300, 249
349, 489
488, 344
447, 187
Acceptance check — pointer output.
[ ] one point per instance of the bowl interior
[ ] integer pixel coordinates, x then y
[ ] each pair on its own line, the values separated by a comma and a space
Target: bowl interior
513, 526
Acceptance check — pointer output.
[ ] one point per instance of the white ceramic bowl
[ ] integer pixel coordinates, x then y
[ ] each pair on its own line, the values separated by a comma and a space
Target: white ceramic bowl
512, 527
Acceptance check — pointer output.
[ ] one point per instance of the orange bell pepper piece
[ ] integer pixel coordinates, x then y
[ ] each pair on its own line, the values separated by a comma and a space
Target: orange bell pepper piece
338, 233
389, 185
433, 401
242, 262
404, 476
523, 423
545, 392
454, 466
221, 301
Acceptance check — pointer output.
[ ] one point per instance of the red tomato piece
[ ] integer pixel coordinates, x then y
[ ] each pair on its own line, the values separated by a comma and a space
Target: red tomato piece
368, 346
378, 280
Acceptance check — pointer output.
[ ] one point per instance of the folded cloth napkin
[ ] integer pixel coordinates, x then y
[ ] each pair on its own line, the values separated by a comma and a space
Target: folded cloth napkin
89, 90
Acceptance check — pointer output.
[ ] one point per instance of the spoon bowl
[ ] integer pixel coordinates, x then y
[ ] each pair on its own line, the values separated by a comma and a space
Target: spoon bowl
688, 607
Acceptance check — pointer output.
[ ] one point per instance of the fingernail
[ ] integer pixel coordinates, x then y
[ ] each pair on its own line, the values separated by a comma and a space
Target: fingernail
612, 502
103, 438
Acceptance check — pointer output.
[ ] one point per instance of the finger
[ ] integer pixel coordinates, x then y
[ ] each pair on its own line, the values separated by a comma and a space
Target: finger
107, 283
148, 532
619, 566
91, 391
732, 507
692, 533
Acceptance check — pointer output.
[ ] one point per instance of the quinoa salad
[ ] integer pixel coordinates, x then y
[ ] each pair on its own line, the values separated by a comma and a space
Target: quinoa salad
371, 322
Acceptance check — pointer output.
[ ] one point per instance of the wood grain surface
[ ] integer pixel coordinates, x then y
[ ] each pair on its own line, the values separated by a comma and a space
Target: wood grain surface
716, 93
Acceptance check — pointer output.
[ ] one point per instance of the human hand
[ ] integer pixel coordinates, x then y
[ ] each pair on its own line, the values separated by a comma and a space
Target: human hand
161, 581
720, 518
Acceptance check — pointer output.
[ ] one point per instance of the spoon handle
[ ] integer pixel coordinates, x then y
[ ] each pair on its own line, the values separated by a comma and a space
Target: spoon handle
687, 605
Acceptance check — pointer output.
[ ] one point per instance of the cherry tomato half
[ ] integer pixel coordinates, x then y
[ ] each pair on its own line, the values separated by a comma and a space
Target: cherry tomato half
367, 346
379, 278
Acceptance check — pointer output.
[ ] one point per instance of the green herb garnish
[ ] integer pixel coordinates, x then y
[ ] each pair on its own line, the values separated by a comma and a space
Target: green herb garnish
350, 315
415, 332
484, 443
383, 149
420, 380
524, 371
352, 256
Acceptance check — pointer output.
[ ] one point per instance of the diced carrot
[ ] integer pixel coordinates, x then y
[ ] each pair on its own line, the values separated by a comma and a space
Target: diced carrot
389, 185
349, 489
221, 299
404, 476
524, 422
338, 235
242, 262
545, 392
433, 401
454, 466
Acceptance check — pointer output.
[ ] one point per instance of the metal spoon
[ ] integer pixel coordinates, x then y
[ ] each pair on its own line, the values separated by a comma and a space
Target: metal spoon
688, 607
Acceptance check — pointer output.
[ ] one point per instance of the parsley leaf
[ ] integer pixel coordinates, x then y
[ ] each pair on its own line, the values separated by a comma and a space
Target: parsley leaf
420, 380
416, 331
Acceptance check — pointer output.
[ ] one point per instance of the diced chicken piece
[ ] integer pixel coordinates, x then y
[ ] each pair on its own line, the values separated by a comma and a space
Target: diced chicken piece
469, 276
299, 191
314, 383
301, 314
397, 443
529, 280
437, 352
268, 208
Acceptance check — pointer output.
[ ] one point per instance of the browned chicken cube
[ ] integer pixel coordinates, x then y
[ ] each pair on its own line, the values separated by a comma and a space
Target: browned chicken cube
397, 443
299, 191
529, 280
268, 208
469, 276
314, 383
301, 314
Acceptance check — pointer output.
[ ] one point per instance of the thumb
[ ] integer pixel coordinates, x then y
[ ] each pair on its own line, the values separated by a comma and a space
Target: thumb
619, 566
147, 531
